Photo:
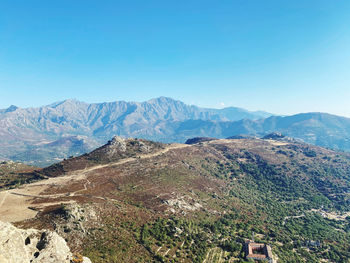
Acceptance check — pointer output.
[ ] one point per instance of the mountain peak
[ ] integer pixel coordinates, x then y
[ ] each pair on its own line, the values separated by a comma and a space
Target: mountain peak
119, 145
11, 108
65, 103
163, 99
116, 149
118, 142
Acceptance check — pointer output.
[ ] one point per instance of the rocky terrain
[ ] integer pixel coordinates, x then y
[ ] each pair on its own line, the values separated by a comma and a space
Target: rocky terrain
23, 246
134, 200
45, 135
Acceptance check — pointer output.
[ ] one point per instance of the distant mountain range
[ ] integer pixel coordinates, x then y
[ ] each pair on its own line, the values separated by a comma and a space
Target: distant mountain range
50, 133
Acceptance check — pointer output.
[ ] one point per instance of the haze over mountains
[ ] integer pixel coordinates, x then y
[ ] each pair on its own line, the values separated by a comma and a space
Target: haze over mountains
50, 133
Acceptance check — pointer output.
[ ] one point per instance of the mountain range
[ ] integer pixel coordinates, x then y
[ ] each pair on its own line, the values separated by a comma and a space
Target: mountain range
47, 134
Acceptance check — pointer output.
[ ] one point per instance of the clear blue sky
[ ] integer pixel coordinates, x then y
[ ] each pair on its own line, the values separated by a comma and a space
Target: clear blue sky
280, 56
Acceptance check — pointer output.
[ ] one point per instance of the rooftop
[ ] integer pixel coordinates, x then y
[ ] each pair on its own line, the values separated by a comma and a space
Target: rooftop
258, 251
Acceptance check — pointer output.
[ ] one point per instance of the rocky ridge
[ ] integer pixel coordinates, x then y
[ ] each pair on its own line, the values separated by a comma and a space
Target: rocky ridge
116, 149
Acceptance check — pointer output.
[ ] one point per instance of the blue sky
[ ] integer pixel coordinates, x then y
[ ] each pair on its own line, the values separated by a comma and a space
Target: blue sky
284, 57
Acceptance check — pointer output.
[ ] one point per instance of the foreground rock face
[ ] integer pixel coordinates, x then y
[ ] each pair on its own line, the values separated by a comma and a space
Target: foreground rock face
25, 246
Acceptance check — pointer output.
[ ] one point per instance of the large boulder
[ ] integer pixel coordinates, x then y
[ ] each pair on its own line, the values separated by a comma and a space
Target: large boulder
31, 245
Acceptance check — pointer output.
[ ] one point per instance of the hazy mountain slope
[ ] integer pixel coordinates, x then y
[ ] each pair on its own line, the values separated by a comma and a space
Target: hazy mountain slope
235, 114
121, 117
140, 201
316, 128
46, 153
27, 133
39, 135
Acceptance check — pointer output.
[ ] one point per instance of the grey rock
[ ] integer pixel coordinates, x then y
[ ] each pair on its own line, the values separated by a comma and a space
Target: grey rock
24, 246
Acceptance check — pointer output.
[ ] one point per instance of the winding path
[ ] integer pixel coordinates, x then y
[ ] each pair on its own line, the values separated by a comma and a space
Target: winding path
3, 198
18, 201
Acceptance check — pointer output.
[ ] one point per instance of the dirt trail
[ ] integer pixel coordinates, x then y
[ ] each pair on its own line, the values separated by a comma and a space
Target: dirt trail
3, 199
15, 203
166, 253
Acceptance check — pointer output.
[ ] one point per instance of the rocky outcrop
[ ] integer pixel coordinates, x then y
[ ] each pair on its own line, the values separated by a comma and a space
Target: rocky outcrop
31, 245
117, 142
274, 136
199, 140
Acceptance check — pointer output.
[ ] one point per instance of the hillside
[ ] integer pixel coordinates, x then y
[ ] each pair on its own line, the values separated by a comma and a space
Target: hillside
13, 174
140, 201
46, 153
115, 150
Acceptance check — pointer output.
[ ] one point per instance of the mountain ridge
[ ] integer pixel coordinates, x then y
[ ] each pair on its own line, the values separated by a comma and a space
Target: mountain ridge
28, 133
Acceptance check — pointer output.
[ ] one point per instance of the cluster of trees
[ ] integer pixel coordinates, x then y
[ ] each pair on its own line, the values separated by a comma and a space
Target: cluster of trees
187, 237
273, 192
